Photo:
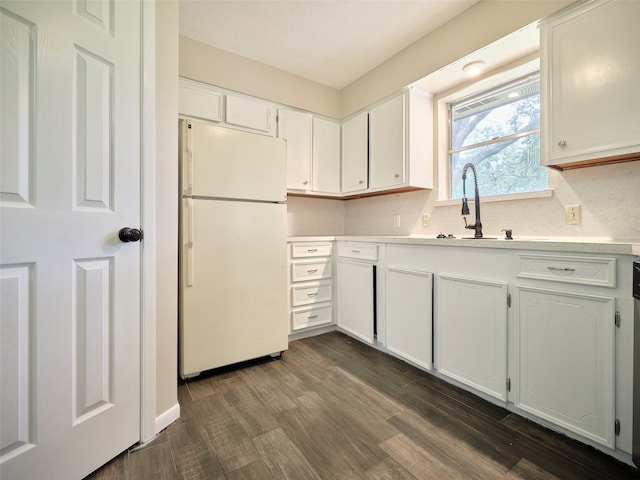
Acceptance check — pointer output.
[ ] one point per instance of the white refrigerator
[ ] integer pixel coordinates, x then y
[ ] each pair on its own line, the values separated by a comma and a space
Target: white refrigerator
233, 280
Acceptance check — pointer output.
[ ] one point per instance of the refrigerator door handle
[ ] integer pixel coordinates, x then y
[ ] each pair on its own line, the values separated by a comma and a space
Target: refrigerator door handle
189, 244
189, 163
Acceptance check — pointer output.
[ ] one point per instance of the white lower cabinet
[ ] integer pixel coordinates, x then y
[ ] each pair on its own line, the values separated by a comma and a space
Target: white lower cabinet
565, 360
356, 298
470, 329
409, 315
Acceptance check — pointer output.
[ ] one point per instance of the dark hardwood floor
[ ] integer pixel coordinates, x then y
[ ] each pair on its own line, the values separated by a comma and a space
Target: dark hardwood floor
333, 408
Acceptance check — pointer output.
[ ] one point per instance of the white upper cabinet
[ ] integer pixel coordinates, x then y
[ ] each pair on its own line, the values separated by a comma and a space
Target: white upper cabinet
325, 164
240, 112
355, 132
250, 113
295, 128
387, 143
400, 146
590, 72
313, 152
197, 100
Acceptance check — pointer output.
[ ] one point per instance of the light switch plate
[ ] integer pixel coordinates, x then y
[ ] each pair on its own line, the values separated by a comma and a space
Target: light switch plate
572, 215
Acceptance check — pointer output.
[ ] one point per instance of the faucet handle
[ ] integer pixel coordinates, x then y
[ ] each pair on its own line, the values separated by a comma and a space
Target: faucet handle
507, 233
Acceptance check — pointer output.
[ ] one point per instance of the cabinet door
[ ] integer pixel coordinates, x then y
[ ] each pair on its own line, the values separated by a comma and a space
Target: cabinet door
565, 360
250, 113
356, 299
295, 128
590, 69
354, 153
387, 144
471, 333
197, 100
408, 317
326, 156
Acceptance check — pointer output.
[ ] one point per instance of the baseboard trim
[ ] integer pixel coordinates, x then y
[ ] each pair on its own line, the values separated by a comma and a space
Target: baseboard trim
167, 417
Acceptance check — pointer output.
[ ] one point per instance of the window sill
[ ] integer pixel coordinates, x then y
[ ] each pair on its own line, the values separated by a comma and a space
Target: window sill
499, 198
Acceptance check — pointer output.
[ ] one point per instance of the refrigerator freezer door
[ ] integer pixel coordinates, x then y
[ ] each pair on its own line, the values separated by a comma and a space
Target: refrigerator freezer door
224, 163
235, 307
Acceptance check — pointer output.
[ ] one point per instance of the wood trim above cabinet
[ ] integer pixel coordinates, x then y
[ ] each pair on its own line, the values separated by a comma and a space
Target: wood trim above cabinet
594, 162
357, 195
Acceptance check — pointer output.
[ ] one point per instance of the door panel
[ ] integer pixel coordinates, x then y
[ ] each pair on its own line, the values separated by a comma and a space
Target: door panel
355, 299
566, 360
70, 290
471, 333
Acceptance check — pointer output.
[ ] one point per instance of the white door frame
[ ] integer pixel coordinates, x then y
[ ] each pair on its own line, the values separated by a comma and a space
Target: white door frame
148, 220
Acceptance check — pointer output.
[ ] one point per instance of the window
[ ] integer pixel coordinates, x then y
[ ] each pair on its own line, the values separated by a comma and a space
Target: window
498, 131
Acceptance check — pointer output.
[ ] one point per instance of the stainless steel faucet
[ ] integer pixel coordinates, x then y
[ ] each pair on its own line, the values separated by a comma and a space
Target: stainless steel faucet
465, 206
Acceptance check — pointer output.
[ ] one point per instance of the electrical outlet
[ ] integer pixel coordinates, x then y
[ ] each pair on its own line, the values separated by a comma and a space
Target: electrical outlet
572, 215
426, 219
396, 220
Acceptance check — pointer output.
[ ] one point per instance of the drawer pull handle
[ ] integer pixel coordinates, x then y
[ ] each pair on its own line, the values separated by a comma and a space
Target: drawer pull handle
312, 316
312, 294
312, 271
562, 269
355, 251
312, 250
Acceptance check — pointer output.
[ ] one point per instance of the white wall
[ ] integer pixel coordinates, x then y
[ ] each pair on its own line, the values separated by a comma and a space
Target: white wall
308, 216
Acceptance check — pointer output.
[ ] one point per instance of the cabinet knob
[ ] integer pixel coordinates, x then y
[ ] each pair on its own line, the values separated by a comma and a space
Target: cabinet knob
361, 182
306, 182
397, 175
562, 143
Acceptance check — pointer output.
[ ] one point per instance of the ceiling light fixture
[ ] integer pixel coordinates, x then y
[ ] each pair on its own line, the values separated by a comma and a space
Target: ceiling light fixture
473, 69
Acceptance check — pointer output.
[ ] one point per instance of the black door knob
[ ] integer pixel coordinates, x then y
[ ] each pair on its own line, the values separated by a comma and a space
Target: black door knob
127, 234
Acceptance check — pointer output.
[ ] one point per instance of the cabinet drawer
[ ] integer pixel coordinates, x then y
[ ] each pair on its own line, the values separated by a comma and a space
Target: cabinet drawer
311, 317
580, 270
300, 250
364, 251
310, 270
306, 293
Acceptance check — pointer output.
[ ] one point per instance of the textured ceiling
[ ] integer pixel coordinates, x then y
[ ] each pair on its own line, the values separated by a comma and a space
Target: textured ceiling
332, 42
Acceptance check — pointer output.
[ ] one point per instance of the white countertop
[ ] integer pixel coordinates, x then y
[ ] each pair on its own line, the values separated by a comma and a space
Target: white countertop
558, 244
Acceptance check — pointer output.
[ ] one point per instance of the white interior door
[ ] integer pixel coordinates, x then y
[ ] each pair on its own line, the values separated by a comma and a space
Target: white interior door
69, 289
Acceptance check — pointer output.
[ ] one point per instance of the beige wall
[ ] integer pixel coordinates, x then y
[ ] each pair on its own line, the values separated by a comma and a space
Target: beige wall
216, 67
166, 237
